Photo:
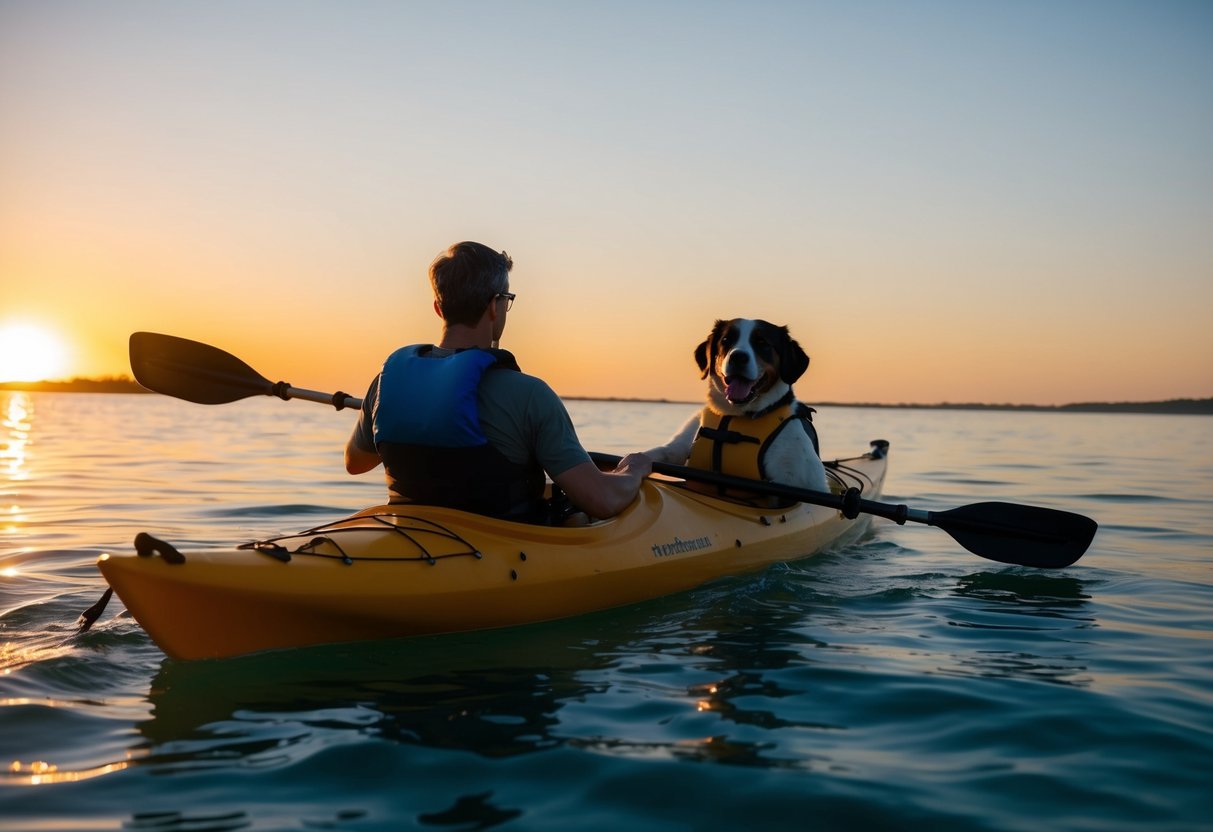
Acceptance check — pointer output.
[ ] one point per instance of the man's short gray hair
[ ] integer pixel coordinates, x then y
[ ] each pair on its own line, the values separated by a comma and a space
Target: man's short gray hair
466, 278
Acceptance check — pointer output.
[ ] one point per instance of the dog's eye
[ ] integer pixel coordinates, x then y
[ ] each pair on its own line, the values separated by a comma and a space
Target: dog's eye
764, 349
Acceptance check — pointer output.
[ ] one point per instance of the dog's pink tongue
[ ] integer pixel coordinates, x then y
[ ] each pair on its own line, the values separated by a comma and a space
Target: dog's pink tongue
738, 389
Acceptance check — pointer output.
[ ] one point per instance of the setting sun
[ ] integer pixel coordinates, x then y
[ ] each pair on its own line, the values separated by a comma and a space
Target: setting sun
30, 352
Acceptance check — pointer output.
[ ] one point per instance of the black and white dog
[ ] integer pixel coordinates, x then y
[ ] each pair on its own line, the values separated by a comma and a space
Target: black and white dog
752, 425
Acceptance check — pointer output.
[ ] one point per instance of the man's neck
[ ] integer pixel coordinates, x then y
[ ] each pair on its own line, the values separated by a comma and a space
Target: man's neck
464, 337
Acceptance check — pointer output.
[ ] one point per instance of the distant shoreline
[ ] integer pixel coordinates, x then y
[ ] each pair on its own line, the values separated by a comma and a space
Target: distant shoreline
1190, 407
1197, 407
114, 384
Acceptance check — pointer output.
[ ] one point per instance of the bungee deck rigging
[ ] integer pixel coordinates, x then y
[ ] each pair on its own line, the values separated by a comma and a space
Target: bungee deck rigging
410, 529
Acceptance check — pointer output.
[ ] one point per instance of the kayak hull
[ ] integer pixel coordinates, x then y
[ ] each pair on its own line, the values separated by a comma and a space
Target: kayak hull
409, 570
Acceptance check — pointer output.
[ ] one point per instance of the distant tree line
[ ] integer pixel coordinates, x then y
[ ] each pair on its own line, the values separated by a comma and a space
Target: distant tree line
106, 384
1203, 407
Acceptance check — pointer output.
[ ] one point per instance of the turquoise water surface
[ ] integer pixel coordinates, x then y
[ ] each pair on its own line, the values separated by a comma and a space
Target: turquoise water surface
900, 682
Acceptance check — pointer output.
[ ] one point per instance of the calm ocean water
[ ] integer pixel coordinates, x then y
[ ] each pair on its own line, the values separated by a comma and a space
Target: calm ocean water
897, 683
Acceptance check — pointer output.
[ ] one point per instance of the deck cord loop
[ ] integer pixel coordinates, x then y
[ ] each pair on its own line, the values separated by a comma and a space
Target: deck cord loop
146, 546
412, 529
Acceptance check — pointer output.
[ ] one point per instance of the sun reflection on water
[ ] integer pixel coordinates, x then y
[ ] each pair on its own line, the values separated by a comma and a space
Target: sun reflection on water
17, 423
41, 773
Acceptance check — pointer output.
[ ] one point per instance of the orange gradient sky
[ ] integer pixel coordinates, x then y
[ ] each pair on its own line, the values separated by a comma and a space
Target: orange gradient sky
945, 201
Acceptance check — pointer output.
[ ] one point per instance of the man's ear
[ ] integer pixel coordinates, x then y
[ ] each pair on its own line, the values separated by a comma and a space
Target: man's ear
438, 309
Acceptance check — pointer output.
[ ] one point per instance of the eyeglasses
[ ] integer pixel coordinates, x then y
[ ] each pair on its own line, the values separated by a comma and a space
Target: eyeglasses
509, 299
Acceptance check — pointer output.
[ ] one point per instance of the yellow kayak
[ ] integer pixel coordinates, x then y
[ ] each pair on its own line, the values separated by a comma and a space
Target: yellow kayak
409, 570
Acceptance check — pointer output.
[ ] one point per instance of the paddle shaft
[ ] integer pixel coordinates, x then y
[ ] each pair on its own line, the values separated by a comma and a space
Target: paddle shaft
851, 506
288, 392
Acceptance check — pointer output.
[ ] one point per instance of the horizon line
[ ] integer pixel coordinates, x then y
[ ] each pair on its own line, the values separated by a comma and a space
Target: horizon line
127, 384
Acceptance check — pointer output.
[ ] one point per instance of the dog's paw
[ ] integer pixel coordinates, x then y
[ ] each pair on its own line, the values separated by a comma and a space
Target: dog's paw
667, 454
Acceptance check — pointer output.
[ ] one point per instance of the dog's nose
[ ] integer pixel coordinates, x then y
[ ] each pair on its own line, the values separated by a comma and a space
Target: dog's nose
736, 362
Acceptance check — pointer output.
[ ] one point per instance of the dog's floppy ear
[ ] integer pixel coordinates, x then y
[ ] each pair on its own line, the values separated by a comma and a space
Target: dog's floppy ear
701, 358
705, 353
793, 360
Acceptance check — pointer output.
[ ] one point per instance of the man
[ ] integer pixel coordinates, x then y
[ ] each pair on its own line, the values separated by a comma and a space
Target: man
458, 424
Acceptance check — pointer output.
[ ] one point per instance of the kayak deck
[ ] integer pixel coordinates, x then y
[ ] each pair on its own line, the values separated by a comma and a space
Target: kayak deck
408, 570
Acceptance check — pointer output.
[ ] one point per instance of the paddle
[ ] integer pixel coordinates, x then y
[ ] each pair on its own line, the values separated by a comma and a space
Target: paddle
203, 374
1004, 532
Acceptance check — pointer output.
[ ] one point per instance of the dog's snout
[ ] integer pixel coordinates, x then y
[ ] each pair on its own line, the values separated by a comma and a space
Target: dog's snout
737, 361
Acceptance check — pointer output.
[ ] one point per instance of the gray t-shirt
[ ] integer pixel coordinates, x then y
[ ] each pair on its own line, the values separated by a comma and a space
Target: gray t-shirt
521, 416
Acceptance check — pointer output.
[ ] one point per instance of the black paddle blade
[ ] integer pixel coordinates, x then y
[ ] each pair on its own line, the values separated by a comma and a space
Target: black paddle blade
193, 371
1018, 534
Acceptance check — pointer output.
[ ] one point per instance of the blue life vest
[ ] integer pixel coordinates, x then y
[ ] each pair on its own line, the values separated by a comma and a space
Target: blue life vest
447, 387
427, 431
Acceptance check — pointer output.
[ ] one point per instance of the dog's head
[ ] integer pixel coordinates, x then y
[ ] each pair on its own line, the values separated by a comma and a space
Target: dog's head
749, 365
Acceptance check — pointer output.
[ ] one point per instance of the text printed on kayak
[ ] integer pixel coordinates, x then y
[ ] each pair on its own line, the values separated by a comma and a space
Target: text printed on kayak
680, 546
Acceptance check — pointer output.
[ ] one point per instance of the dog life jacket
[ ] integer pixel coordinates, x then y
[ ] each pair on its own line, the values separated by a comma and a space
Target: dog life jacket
438, 454
737, 445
